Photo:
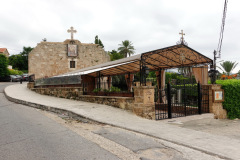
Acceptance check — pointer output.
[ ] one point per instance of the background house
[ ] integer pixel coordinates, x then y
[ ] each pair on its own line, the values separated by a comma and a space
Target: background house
4, 51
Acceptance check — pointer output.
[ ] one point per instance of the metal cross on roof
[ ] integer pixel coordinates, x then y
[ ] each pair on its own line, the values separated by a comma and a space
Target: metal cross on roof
71, 30
183, 34
182, 41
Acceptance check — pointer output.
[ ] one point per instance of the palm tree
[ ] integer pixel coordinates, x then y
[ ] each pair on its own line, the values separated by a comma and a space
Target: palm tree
126, 48
228, 66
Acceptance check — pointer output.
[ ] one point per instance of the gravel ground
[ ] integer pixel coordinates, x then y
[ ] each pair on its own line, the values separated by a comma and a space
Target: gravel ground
128, 145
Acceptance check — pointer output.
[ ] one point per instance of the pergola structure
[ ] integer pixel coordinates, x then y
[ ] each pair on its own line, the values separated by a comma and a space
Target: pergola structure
166, 58
154, 102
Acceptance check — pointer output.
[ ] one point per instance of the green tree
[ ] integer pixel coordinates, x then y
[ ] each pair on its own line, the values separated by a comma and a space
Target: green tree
3, 66
114, 55
228, 66
98, 41
126, 48
16, 61
24, 54
20, 61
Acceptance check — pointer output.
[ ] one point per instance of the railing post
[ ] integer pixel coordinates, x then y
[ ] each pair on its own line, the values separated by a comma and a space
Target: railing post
99, 80
184, 97
169, 100
199, 99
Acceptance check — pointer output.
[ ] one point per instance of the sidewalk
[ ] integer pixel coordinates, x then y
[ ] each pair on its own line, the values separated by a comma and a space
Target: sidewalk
221, 146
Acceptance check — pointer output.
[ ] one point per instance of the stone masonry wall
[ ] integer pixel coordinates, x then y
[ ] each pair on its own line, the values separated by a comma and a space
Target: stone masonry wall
142, 104
119, 102
48, 59
216, 107
76, 93
61, 92
144, 101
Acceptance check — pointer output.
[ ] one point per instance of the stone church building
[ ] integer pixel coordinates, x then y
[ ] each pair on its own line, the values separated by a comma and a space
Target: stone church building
49, 59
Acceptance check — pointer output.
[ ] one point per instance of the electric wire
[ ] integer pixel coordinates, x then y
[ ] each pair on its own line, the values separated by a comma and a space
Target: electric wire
222, 28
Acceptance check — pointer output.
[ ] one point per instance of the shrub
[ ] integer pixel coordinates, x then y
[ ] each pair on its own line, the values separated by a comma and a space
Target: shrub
105, 90
15, 72
179, 78
115, 89
97, 90
231, 97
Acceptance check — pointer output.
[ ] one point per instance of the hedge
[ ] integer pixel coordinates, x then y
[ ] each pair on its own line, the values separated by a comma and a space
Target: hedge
15, 72
231, 97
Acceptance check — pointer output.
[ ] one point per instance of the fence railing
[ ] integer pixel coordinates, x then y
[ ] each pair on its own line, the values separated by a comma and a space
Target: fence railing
181, 99
107, 89
58, 81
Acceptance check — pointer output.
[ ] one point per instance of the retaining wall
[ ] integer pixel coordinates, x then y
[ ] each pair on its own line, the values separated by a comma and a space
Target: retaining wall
76, 93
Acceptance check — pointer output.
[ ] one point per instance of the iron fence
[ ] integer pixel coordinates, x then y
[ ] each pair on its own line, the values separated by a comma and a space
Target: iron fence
182, 99
107, 89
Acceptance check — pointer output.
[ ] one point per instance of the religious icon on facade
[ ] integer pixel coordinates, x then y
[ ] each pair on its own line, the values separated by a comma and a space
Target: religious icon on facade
72, 50
218, 95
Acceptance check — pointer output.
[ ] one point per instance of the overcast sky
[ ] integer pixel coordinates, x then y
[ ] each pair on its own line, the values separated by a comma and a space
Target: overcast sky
148, 24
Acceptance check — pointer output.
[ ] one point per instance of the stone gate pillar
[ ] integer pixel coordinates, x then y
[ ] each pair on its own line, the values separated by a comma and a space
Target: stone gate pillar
215, 106
144, 105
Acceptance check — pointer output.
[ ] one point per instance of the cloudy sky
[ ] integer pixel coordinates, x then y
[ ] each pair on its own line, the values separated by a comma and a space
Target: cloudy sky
149, 24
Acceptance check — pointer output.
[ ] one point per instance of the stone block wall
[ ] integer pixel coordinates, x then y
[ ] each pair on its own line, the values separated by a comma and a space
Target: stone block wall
30, 85
142, 104
76, 93
48, 59
215, 107
125, 103
144, 101
61, 92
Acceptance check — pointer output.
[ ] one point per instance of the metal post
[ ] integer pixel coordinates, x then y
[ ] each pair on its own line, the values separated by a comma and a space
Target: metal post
160, 85
199, 99
142, 72
184, 98
169, 100
141, 79
214, 67
99, 80
128, 82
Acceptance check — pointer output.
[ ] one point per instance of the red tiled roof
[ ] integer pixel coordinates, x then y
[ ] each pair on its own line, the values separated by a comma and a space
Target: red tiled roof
2, 49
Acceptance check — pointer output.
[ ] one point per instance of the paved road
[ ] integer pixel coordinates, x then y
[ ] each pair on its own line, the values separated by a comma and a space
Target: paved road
27, 135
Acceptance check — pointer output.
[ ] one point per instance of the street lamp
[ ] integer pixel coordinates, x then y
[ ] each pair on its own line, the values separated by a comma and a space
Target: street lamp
213, 73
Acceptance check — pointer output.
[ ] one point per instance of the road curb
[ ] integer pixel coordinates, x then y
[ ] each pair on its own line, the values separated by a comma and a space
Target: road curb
50, 109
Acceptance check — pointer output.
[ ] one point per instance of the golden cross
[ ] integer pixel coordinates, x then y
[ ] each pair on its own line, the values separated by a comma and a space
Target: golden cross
183, 34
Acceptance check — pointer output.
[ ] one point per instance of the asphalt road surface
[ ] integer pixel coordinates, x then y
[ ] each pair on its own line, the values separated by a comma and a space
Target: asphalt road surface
31, 134
27, 135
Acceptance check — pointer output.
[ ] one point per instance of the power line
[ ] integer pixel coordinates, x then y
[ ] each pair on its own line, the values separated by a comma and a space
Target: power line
222, 28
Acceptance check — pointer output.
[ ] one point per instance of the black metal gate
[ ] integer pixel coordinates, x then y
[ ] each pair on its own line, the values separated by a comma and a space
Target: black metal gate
183, 99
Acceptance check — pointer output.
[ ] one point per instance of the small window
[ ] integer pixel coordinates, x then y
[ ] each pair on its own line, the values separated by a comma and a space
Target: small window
72, 64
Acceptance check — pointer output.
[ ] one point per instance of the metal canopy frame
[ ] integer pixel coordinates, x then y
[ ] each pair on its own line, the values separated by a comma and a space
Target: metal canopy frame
170, 57
176, 56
